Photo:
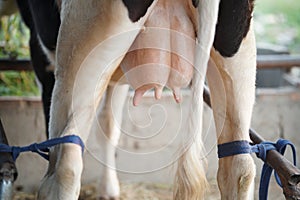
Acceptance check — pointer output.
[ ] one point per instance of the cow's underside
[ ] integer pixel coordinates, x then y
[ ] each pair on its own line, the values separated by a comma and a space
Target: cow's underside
157, 43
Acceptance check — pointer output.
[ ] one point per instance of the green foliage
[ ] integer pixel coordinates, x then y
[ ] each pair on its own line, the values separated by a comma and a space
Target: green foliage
14, 37
278, 22
290, 9
14, 83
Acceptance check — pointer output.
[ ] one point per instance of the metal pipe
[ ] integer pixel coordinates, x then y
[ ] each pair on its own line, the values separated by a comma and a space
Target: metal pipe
6, 190
8, 170
277, 61
16, 65
288, 173
7, 178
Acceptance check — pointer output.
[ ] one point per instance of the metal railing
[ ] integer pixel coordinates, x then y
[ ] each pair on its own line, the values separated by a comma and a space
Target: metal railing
15, 65
277, 61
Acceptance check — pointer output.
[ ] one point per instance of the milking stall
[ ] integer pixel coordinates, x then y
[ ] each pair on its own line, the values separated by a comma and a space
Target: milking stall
93, 136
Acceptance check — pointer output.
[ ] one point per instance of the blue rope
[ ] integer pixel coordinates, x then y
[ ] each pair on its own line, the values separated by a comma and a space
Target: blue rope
244, 147
41, 148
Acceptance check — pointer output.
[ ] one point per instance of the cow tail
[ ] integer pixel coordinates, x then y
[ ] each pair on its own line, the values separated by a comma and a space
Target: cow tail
190, 182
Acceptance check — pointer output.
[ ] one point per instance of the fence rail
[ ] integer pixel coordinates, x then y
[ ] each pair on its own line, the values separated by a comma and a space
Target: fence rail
277, 61
263, 62
16, 65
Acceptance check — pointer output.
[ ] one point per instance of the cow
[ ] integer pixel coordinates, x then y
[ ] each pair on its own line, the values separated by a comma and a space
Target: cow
37, 14
157, 43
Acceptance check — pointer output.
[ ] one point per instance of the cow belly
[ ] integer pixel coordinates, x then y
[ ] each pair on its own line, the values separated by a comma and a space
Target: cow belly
163, 53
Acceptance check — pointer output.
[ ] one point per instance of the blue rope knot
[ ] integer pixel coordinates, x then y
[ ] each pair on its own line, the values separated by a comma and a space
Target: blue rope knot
42, 148
261, 150
15, 152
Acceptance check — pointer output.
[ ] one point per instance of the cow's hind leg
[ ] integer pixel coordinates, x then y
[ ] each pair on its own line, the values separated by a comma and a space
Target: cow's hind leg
232, 84
108, 129
92, 41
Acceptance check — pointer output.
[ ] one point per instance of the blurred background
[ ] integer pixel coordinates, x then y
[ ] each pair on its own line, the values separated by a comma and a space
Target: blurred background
276, 113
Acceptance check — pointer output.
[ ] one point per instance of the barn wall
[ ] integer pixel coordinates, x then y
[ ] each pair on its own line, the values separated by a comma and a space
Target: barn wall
151, 135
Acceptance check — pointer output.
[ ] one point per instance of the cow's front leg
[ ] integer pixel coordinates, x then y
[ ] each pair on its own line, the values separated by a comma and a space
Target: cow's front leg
232, 84
93, 38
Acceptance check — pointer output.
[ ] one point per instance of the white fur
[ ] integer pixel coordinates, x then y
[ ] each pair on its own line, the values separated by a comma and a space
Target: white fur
50, 55
111, 113
232, 85
90, 47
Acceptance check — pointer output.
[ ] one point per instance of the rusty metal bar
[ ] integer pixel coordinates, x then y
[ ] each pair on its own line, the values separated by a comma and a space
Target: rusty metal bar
16, 65
288, 173
277, 61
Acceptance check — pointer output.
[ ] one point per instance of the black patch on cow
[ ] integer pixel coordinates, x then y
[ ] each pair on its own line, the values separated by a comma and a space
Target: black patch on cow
43, 20
233, 25
137, 8
42, 16
195, 3
40, 63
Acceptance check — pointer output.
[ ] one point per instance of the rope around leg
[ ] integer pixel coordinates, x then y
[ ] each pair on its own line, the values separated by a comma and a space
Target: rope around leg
42, 148
244, 147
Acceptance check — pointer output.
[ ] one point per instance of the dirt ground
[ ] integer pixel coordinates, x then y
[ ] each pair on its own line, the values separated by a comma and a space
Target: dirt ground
147, 191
